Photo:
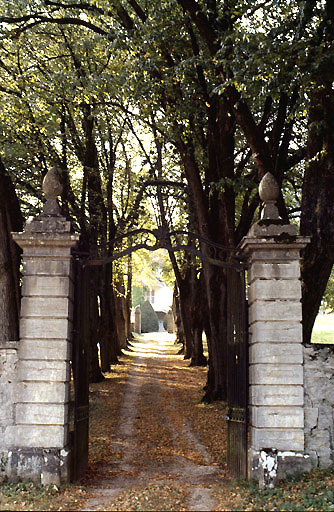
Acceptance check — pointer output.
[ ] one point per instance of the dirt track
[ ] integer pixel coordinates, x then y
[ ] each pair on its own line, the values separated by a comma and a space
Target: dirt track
155, 460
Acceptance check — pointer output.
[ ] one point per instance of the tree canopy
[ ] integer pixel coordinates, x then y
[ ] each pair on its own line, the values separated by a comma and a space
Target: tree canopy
184, 103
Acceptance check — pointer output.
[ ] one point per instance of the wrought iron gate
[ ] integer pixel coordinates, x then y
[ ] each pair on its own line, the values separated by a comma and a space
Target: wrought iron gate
80, 369
237, 373
237, 347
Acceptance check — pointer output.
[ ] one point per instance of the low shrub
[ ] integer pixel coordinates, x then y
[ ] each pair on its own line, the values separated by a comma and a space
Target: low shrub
149, 318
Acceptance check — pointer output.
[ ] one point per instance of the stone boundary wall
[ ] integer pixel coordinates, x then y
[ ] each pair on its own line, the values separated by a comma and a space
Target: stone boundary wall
319, 403
8, 366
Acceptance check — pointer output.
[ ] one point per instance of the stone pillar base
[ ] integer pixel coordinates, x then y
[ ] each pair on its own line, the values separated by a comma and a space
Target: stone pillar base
41, 465
269, 466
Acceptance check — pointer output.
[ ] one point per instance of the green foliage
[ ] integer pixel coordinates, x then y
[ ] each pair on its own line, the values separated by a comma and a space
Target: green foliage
138, 296
147, 266
149, 319
310, 491
328, 299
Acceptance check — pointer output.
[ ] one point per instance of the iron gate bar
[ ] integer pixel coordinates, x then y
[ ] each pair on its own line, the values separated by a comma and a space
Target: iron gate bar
162, 236
218, 263
237, 375
80, 371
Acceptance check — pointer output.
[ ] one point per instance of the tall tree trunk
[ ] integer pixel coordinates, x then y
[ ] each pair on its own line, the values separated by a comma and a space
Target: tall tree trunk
10, 220
108, 348
199, 311
317, 219
96, 234
178, 321
215, 221
94, 371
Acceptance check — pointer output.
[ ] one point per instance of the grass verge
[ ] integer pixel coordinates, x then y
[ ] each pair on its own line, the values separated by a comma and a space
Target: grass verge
31, 496
323, 331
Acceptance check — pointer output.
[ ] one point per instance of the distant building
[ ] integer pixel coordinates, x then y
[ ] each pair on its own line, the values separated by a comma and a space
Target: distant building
161, 298
159, 295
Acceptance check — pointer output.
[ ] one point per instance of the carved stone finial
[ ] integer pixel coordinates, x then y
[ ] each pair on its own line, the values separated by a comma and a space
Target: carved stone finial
269, 193
52, 188
269, 189
271, 225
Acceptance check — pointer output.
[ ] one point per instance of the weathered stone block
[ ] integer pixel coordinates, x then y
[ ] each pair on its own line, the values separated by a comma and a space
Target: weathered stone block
273, 374
8, 437
50, 286
65, 463
277, 417
59, 307
51, 468
36, 464
42, 392
320, 442
319, 401
51, 328
52, 371
269, 466
290, 463
279, 439
274, 289
25, 465
311, 417
45, 349
42, 436
46, 244
6, 410
45, 251
268, 310
276, 353
280, 331
46, 266
42, 414
8, 362
275, 254
170, 322
274, 270
276, 395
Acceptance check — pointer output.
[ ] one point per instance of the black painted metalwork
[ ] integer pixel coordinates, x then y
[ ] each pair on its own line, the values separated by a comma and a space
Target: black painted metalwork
80, 337
163, 238
237, 377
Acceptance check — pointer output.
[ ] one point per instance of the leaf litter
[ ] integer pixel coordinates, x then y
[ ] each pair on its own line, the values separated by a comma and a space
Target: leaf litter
154, 451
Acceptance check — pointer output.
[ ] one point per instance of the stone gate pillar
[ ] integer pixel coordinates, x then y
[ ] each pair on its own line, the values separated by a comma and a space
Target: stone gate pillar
275, 353
138, 319
170, 322
40, 441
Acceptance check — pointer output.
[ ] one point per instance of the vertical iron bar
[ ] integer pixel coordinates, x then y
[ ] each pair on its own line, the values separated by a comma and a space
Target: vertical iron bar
80, 371
237, 385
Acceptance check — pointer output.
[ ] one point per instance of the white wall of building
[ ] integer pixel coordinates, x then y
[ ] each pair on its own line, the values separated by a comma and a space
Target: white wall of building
160, 296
